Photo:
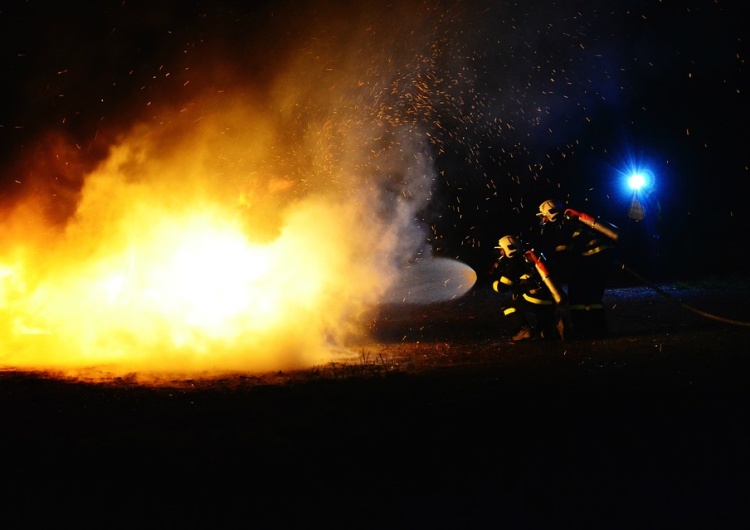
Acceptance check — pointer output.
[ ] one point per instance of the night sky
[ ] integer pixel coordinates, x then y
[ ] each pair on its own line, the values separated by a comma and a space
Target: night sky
520, 101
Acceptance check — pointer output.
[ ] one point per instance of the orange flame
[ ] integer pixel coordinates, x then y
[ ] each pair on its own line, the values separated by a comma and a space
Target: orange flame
245, 232
162, 269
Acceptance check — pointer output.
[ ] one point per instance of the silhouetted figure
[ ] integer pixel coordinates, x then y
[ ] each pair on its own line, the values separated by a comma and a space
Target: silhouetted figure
582, 251
531, 308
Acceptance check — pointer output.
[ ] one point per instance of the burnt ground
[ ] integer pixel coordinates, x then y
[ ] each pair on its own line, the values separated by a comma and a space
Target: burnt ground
441, 423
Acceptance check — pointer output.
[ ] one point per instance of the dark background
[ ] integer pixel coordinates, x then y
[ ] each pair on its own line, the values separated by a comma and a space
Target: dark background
530, 101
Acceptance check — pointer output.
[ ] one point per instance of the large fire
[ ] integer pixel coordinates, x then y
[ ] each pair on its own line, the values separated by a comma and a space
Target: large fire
237, 226
170, 264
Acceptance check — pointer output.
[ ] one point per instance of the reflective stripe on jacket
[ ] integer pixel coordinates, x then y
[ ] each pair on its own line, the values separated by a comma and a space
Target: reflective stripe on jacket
535, 300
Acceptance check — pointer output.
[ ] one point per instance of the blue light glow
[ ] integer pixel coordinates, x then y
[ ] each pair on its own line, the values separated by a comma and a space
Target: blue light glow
636, 175
636, 181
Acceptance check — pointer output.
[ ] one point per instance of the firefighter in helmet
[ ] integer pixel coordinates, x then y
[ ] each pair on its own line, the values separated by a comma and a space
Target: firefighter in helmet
531, 308
582, 251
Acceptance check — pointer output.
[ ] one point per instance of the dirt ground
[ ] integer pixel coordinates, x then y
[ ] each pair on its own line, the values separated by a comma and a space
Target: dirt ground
441, 423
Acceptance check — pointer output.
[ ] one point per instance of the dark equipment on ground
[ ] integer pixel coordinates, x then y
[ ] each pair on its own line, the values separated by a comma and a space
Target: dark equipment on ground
679, 302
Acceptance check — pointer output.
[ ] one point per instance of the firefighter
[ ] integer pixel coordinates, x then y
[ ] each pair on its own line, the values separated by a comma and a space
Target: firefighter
582, 252
531, 308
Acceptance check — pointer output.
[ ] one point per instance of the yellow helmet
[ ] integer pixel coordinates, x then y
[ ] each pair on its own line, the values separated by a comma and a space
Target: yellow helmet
509, 246
549, 211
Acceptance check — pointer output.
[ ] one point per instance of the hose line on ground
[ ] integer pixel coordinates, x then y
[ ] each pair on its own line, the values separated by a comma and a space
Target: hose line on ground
679, 302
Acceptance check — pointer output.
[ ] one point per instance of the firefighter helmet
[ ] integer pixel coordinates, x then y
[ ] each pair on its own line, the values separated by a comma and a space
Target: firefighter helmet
509, 246
550, 211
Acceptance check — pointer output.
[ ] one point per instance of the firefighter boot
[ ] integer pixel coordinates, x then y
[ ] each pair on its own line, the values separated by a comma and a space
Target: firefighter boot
560, 328
524, 333
554, 331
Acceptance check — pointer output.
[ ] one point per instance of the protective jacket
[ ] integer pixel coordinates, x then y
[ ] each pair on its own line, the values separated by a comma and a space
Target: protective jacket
583, 257
520, 278
570, 239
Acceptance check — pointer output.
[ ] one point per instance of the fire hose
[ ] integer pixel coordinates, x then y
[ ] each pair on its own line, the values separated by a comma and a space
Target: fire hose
597, 224
679, 302
541, 268
611, 232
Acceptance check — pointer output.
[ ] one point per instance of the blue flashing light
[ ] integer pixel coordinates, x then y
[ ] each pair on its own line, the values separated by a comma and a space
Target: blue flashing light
636, 181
